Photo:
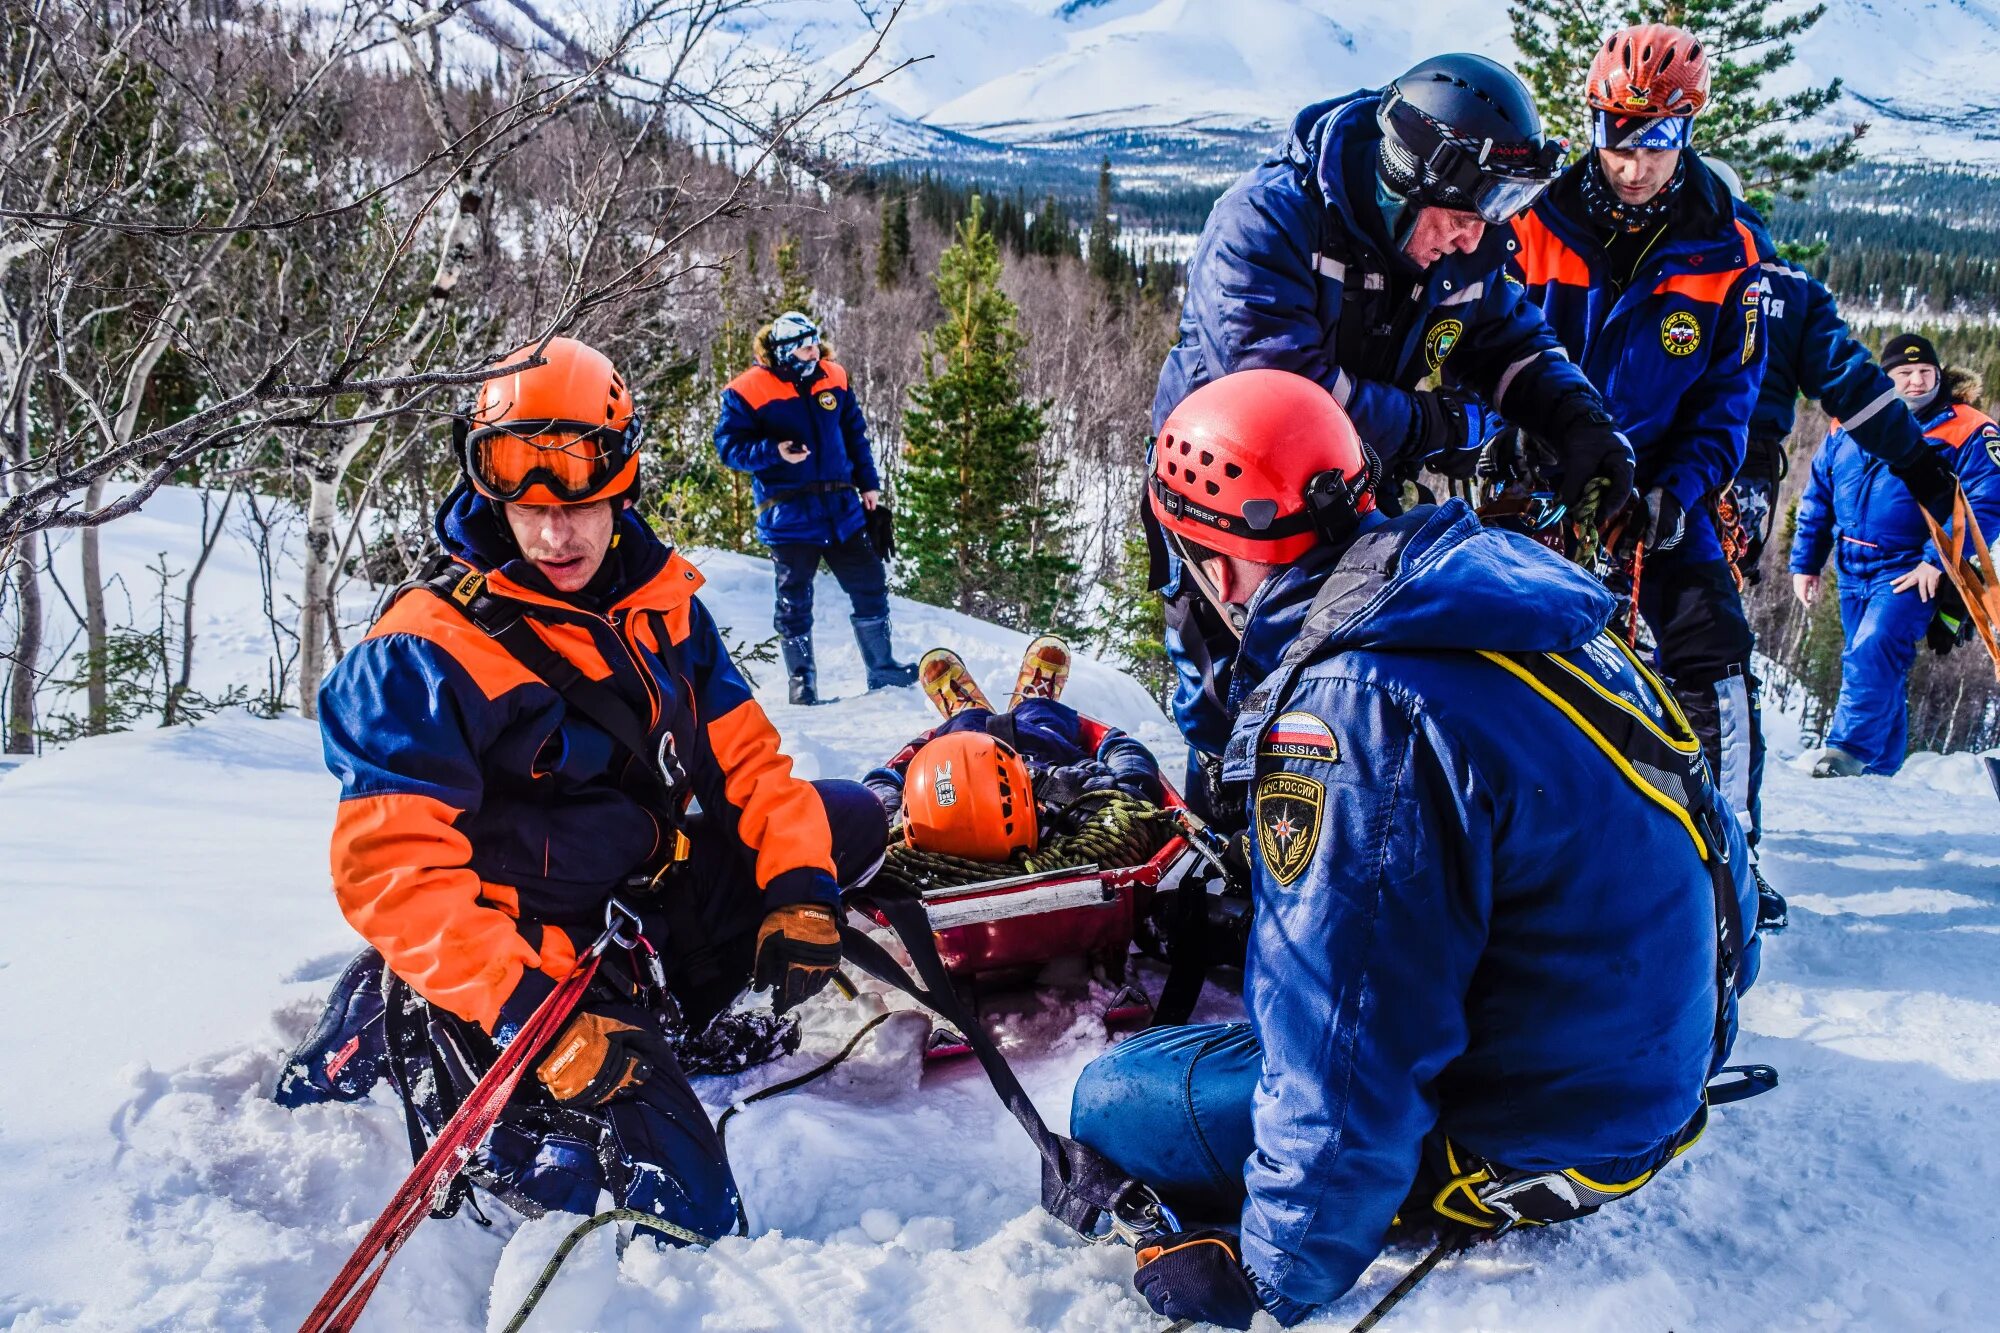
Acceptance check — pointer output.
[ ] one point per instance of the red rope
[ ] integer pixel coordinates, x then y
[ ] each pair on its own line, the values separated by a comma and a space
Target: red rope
429, 1180
1632, 617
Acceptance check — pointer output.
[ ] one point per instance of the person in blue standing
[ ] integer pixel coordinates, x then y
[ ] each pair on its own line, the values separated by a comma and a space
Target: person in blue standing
1367, 257
792, 423
1856, 509
1466, 1005
1652, 280
1810, 353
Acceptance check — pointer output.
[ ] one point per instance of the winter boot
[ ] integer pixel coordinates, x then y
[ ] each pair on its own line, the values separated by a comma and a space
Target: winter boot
344, 1055
949, 685
883, 668
800, 677
1772, 915
1835, 762
736, 1040
1044, 671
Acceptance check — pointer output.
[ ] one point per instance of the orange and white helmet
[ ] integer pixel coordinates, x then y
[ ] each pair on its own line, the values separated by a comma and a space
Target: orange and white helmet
564, 432
969, 794
1646, 85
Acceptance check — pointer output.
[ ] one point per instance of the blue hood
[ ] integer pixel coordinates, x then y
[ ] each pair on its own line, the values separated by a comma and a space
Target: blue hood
471, 528
1433, 579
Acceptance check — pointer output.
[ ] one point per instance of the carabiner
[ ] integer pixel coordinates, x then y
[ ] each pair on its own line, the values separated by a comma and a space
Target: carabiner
621, 927
1137, 1217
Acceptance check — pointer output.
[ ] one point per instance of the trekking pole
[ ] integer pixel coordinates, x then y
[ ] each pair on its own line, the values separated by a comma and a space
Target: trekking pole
430, 1179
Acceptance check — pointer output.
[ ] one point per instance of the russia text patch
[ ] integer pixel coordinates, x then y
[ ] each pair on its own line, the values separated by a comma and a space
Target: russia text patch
1300, 736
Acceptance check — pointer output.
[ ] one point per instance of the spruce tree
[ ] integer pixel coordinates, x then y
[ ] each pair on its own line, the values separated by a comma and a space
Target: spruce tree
892, 254
1747, 44
1105, 261
977, 534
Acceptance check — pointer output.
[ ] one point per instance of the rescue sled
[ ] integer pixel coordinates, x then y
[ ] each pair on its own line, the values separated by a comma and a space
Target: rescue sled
1001, 932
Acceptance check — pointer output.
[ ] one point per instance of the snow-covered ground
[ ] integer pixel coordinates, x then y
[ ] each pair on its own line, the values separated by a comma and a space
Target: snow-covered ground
166, 933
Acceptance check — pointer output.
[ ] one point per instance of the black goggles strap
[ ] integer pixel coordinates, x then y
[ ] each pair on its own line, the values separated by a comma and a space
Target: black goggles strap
613, 441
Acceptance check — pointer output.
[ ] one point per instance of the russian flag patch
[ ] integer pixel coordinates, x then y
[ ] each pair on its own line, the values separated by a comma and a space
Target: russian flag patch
1300, 736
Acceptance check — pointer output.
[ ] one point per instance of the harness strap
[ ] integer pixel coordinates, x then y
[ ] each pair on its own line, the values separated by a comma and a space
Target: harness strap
1080, 1188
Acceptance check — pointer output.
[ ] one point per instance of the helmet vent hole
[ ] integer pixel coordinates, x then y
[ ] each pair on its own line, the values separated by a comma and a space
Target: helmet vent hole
1666, 60
1207, 458
1231, 471
1214, 489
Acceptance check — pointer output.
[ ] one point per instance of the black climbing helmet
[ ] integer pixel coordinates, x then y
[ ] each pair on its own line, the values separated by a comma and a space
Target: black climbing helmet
1461, 132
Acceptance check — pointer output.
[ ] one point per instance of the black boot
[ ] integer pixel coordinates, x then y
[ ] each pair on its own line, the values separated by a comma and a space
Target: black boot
1771, 911
800, 677
884, 670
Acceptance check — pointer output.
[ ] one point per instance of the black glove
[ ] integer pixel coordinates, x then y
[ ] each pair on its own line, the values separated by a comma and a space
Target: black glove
882, 530
1067, 785
1196, 1275
1587, 445
605, 1050
1931, 480
1666, 521
1447, 423
797, 950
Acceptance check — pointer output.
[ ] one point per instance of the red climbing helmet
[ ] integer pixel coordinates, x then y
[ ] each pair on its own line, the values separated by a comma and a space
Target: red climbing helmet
1262, 465
1643, 76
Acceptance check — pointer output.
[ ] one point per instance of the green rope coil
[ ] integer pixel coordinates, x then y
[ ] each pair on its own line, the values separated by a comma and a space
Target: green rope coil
1121, 830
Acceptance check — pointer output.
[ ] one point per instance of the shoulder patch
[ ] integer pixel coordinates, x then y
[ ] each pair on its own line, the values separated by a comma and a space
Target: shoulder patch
1288, 814
1989, 434
1300, 736
827, 400
1680, 333
1444, 336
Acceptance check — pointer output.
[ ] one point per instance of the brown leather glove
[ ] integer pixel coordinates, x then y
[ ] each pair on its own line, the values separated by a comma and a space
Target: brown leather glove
602, 1052
797, 951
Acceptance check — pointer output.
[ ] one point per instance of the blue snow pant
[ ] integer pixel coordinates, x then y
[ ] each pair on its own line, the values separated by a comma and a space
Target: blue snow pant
1696, 615
853, 562
654, 1149
1171, 1107
1883, 628
1046, 731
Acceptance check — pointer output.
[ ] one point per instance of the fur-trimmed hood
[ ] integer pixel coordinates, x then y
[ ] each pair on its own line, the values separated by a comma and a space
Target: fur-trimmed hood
1962, 384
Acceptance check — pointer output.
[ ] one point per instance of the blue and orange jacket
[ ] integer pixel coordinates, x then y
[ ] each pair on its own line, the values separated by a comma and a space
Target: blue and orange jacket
760, 410
1855, 507
1678, 354
1810, 353
483, 824
1299, 248
1454, 950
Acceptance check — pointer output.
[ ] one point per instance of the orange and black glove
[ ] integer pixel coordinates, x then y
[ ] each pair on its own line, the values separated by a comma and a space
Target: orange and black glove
797, 951
604, 1051
1199, 1277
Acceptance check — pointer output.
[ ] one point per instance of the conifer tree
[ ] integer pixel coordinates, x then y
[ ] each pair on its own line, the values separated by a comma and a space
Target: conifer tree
1105, 261
976, 534
1747, 44
892, 254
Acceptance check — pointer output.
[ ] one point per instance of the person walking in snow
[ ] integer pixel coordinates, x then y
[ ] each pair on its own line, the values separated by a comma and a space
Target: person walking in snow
1856, 508
524, 735
1368, 257
1465, 1004
1810, 353
792, 423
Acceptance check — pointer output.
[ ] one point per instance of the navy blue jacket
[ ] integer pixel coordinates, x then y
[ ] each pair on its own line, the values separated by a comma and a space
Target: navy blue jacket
1810, 353
1677, 355
1300, 241
761, 410
1459, 950
1854, 506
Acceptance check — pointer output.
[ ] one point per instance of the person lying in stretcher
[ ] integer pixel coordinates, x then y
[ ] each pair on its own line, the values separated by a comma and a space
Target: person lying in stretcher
987, 785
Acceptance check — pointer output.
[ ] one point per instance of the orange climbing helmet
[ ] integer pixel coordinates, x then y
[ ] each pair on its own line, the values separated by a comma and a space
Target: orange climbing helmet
968, 794
1645, 87
564, 432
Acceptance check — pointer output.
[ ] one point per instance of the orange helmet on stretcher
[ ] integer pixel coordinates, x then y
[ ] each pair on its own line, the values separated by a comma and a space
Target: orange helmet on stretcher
969, 794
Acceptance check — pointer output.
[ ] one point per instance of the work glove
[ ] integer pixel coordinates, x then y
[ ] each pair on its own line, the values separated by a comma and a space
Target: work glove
1198, 1276
797, 950
1666, 521
1450, 429
1065, 786
1587, 445
606, 1049
1931, 480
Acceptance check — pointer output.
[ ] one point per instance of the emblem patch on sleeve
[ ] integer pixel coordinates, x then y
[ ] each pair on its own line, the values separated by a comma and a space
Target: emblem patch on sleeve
1442, 338
1680, 333
1300, 736
827, 400
1289, 807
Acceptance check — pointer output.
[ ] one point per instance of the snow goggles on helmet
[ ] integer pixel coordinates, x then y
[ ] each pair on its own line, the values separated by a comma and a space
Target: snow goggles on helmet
1496, 180
1609, 129
507, 459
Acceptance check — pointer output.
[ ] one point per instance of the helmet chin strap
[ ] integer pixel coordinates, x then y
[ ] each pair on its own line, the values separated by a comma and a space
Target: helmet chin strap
1235, 615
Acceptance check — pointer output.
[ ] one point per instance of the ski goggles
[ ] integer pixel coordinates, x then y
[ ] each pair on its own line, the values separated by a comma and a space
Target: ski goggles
1496, 181
573, 461
1608, 129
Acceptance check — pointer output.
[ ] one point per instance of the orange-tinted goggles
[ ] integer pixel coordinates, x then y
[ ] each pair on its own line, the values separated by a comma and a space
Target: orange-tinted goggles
573, 459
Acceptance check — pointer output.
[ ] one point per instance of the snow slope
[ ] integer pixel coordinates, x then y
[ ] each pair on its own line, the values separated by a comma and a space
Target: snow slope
166, 932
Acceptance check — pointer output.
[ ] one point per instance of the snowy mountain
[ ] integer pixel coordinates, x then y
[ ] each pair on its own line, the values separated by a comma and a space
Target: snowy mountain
166, 934
1020, 72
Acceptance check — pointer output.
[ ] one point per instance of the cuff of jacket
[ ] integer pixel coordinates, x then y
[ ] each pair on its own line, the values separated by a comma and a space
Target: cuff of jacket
1687, 487
804, 885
